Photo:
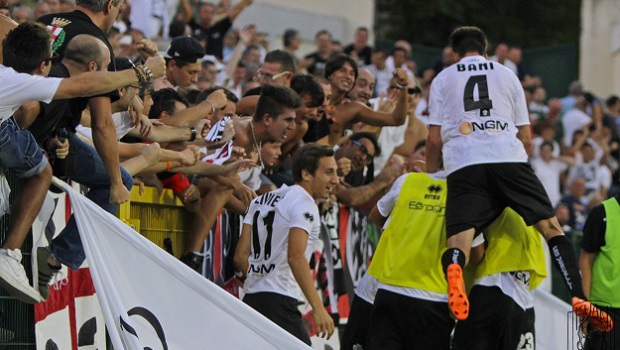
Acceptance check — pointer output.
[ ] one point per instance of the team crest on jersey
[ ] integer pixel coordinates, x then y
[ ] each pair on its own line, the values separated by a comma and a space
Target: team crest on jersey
58, 33
309, 216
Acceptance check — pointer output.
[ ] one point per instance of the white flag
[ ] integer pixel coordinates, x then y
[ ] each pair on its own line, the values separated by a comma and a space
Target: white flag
217, 131
151, 300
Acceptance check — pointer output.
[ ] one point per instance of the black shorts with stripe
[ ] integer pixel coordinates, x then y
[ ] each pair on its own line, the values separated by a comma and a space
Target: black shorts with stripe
478, 194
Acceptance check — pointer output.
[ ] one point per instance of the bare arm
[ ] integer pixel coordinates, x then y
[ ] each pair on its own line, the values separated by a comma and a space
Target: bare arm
104, 138
247, 105
297, 242
433, 148
235, 11
187, 12
376, 217
525, 136
27, 113
96, 83
586, 260
242, 252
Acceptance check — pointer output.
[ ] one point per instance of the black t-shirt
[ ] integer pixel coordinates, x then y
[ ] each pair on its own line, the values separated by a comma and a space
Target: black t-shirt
318, 67
363, 55
66, 26
316, 130
59, 113
594, 229
214, 35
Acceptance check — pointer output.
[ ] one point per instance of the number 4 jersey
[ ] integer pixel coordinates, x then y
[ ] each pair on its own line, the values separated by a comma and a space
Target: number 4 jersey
478, 104
272, 216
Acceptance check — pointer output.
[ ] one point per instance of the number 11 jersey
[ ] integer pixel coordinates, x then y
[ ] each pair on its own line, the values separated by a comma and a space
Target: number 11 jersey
272, 216
479, 104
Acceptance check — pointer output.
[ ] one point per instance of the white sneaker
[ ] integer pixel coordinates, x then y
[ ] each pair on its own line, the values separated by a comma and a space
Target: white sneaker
13, 277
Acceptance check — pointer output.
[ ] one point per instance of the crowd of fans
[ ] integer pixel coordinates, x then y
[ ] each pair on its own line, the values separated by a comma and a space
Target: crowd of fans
229, 112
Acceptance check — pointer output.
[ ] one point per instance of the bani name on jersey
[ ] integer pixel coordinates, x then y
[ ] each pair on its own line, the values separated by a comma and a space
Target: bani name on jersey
272, 215
479, 104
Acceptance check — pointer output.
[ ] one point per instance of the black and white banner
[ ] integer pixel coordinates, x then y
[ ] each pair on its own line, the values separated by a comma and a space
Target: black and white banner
149, 299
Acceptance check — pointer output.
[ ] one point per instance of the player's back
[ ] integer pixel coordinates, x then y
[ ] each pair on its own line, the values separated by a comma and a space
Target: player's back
478, 104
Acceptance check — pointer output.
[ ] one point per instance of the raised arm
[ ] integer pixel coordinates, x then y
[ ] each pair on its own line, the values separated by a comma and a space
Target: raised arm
235, 11
96, 83
433, 148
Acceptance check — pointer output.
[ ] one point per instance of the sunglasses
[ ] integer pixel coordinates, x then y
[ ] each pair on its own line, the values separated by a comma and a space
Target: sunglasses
52, 59
363, 149
260, 74
410, 91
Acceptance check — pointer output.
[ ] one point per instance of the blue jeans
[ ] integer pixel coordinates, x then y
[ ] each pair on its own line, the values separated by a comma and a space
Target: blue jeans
90, 172
19, 151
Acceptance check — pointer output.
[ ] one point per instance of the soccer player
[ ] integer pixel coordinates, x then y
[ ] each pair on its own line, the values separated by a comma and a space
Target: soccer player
505, 283
279, 231
410, 307
479, 121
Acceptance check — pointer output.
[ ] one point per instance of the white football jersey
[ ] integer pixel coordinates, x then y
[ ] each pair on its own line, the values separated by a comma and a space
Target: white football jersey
271, 216
478, 104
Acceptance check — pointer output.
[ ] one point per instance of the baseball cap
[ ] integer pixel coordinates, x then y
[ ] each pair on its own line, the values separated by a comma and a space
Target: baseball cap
185, 48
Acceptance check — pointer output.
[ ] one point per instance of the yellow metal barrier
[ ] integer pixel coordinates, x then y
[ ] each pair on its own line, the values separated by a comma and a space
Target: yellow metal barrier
157, 217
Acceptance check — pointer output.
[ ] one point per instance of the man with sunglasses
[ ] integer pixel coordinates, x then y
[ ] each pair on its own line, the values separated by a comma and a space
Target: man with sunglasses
359, 186
400, 140
278, 69
27, 60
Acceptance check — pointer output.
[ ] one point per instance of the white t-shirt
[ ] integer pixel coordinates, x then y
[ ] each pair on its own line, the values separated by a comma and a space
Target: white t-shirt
122, 124
390, 138
479, 104
272, 216
549, 176
573, 120
17, 88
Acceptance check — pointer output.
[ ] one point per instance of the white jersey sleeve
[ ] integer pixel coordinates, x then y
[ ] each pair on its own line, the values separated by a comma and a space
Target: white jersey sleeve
386, 204
303, 213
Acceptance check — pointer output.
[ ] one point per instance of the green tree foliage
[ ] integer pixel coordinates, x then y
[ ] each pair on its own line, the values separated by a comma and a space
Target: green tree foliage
527, 23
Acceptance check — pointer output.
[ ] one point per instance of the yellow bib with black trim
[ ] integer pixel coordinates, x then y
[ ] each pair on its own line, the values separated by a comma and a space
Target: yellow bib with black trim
410, 248
513, 246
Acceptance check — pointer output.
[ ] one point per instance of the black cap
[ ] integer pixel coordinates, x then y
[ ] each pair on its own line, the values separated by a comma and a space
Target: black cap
185, 48
122, 63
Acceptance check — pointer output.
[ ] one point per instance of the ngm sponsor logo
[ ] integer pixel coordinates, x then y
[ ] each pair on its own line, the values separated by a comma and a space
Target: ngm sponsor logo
492, 126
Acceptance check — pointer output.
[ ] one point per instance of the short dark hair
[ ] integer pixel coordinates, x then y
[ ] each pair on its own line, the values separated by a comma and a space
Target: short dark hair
230, 96
95, 5
367, 135
26, 47
286, 61
288, 36
308, 158
308, 85
273, 99
164, 101
419, 145
399, 48
321, 32
337, 62
612, 100
468, 39
548, 143
179, 63
362, 29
